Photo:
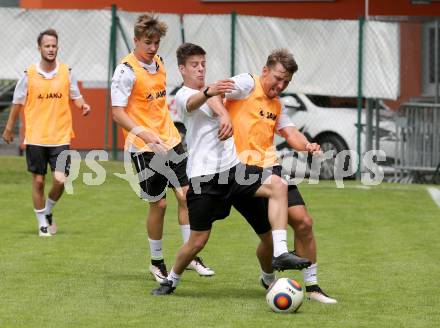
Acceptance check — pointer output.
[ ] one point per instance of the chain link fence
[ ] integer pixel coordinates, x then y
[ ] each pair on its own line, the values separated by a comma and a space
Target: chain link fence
353, 74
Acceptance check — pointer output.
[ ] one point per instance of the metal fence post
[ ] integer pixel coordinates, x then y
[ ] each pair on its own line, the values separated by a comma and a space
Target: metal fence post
359, 97
233, 27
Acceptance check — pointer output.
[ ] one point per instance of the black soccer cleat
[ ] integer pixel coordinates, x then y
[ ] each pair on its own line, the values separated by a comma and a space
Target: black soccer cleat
165, 288
159, 270
289, 261
263, 284
315, 293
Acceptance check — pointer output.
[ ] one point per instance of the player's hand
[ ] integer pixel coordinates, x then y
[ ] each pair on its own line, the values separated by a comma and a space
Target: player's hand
313, 148
154, 142
221, 87
225, 130
86, 109
8, 135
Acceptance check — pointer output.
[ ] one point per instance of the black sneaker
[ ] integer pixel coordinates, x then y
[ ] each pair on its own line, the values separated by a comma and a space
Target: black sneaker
315, 293
43, 232
51, 223
159, 270
289, 261
165, 288
262, 283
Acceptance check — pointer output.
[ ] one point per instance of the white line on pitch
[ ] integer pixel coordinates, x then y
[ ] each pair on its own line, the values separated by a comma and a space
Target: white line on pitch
435, 195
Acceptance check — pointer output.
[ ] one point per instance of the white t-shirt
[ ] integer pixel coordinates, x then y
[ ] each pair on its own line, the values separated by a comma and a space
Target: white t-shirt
244, 85
207, 154
21, 88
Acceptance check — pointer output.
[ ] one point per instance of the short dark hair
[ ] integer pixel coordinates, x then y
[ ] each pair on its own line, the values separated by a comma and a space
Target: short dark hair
285, 58
49, 31
187, 50
149, 25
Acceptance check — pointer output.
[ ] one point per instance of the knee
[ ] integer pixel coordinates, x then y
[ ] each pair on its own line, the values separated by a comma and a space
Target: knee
160, 205
39, 183
198, 244
303, 225
279, 186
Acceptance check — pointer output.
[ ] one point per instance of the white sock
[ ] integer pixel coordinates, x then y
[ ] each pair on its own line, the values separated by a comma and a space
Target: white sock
310, 275
279, 242
185, 232
174, 277
49, 205
156, 249
41, 217
268, 278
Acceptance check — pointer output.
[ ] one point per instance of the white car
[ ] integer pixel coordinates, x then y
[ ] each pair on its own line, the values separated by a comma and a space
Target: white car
329, 122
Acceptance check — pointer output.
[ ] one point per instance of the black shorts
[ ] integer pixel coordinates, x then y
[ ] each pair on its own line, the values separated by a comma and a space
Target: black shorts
37, 158
256, 209
156, 172
294, 197
210, 197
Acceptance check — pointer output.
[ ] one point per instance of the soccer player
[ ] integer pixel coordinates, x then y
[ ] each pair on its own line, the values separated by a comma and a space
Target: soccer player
44, 92
255, 111
139, 103
217, 176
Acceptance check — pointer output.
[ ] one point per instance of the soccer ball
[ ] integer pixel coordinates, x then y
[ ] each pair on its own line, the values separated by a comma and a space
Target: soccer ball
285, 295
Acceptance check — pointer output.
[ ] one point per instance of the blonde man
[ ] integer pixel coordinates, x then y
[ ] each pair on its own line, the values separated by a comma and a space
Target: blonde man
44, 92
256, 112
138, 94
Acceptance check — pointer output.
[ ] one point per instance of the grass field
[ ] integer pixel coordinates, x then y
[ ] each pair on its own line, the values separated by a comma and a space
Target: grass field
379, 255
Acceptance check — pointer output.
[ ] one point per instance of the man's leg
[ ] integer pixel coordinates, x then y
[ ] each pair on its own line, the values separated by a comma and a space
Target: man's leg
154, 225
301, 222
305, 246
196, 242
38, 182
197, 263
275, 190
264, 255
54, 195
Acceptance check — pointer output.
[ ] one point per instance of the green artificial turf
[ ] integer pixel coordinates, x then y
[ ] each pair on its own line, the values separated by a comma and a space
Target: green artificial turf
378, 250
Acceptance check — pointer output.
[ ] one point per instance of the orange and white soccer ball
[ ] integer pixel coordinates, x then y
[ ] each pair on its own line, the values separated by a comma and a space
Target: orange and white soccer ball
285, 295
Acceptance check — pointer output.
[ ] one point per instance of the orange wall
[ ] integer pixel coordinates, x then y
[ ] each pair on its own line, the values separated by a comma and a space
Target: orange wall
338, 9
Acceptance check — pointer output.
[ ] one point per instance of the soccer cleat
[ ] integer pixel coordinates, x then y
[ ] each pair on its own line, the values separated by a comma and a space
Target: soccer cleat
42, 232
315, 293
198, 265
165, 288
51, 222
262, 283
159, 270
289, 261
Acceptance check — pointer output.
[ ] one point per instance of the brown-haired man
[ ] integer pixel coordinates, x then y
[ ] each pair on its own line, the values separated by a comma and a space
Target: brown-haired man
44, 92
139, 104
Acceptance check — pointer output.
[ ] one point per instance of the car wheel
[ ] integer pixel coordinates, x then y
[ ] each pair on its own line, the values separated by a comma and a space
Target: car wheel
335, 143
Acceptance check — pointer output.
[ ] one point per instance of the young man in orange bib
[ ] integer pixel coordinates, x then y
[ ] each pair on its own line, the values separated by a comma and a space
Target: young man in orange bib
139, 107
45, 91
257, 114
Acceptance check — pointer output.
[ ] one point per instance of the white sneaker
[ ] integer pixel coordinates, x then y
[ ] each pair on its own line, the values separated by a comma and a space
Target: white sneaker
159, 271
51, 224
198, 265
315, 293
42, 232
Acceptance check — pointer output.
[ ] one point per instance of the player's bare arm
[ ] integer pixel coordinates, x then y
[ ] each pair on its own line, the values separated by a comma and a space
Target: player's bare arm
298, 141
81, 104
8, 133
151, 139
218, 88
225, 130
